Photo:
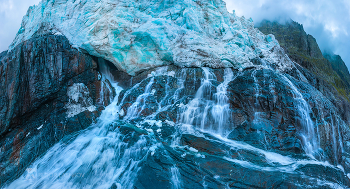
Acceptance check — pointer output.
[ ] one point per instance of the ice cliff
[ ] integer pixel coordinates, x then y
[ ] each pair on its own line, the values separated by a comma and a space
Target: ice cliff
140, 34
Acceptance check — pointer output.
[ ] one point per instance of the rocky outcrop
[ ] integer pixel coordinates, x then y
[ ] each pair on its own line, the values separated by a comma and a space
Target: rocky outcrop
169, 127
167, 130
339, 66
330, 74
72, 120
280, 113
48, 90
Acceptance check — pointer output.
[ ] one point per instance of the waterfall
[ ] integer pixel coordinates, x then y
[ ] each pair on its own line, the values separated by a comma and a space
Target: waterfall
221, 109
175, 178
136, 108
103, 155
210, 109
311, 144
96, 158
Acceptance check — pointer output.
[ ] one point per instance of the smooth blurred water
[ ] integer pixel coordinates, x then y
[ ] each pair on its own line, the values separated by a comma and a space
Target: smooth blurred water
98, 157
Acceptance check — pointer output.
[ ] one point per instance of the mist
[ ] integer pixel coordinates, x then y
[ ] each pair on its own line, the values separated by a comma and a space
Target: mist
328, 21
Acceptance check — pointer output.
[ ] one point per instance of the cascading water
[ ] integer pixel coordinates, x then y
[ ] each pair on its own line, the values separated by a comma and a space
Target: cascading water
210, 109
137, 107
175, 178
311, 145
221, 109
308, 130
112, 152
95, 158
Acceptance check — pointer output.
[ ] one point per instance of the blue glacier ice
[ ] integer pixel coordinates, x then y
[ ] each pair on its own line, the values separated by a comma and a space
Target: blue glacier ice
140, 34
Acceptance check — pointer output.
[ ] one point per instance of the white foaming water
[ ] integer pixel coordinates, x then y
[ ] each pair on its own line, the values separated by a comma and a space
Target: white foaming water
99, 158
136, 108
221, 110
336, 132
257, 87
194, 113
276, 161
175, 178
208, 110
96, 158
311, 145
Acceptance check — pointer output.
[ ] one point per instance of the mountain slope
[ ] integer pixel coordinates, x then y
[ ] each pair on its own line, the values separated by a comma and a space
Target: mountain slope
243, 115
303, 49
340, 67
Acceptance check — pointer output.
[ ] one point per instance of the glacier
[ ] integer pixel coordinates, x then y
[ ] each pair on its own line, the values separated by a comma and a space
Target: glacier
136, 35
208, 102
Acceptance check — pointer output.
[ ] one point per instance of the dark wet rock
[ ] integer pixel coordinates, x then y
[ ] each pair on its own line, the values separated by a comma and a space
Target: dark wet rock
269, 109
204, 145
155, 172
327, 73
35, 79
114, 186
266, 116
323, 172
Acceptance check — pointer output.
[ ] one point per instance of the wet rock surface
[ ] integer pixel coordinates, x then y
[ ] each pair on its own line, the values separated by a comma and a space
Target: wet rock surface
167, 127
36, 78
267, 110
326, 72
192, 97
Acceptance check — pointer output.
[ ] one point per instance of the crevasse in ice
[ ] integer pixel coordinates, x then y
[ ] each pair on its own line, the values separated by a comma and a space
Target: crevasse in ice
140, 34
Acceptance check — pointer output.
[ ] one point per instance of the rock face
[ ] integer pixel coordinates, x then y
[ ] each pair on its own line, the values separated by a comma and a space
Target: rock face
339, 66
72, 120
203, 127
48, 90
331, 76
137, 35
303, 49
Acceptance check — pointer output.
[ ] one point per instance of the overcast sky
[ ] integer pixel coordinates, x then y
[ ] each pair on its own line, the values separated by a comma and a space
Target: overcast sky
11, 14
327, 20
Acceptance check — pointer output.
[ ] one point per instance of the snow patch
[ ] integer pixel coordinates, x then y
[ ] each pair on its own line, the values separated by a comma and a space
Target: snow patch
79, 100
162, 71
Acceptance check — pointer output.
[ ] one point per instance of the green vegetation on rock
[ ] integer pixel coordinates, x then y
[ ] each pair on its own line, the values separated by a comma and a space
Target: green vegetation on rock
304, 50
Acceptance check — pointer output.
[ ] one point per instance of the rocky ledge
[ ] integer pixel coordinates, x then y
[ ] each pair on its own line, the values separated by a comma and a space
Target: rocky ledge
48, 90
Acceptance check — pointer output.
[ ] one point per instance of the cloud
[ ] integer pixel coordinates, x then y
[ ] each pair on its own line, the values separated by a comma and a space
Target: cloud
11, 14
328, 21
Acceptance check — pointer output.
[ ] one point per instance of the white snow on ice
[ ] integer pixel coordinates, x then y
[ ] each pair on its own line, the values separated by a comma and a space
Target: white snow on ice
141, 34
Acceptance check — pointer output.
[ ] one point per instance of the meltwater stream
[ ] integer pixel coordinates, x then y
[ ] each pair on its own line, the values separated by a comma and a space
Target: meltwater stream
310, 139
102, 156
210, 111
95, 158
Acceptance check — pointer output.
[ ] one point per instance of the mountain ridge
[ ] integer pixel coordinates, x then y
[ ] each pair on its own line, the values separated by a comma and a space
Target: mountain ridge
71, 119
304, 50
